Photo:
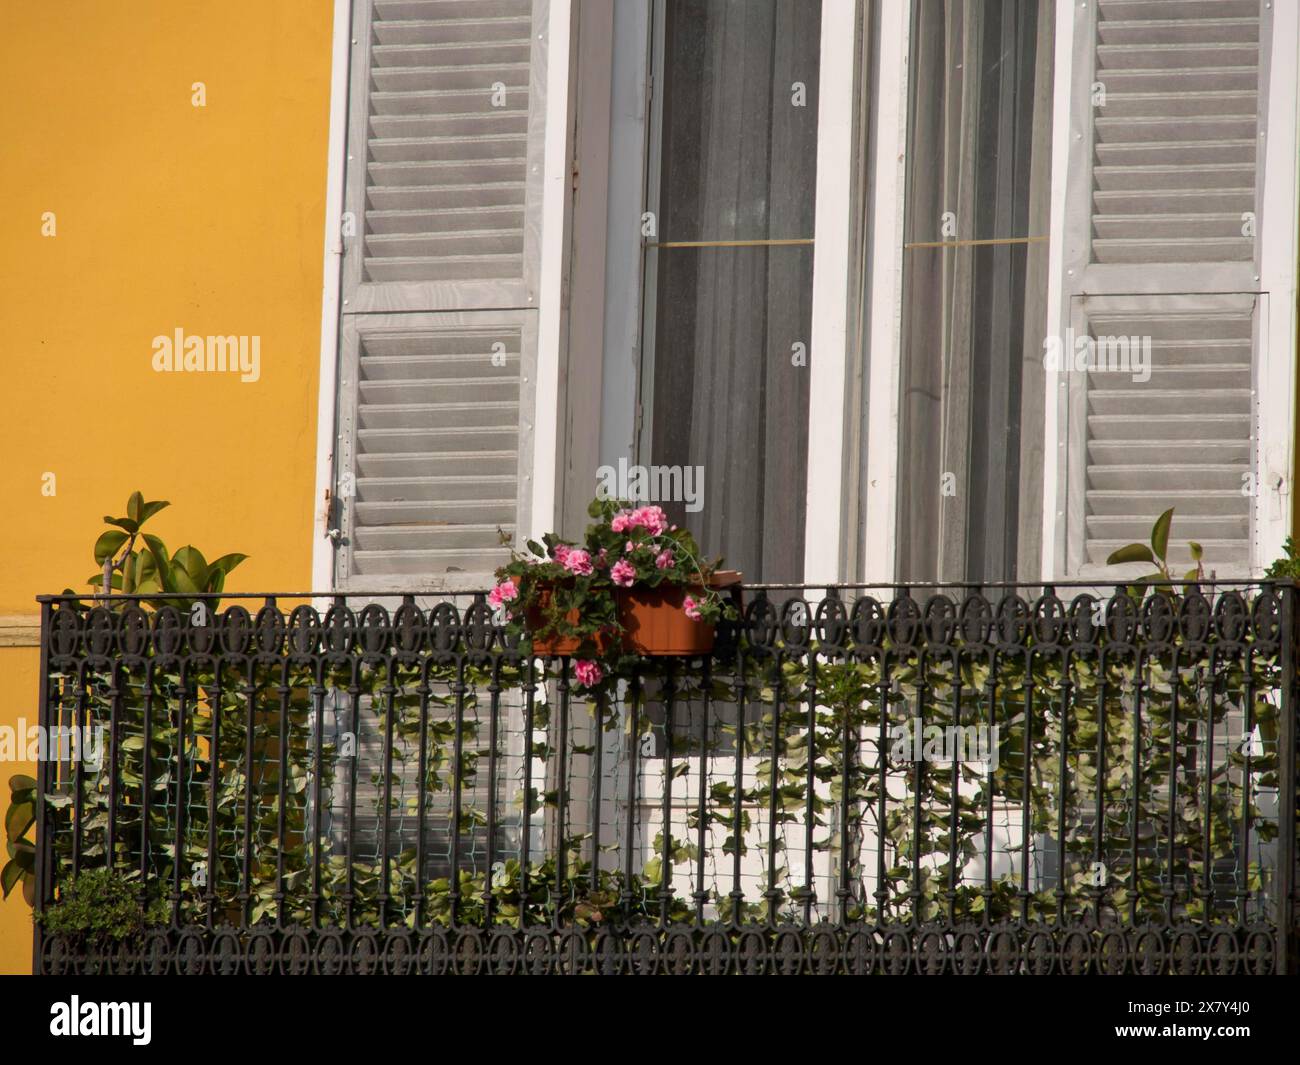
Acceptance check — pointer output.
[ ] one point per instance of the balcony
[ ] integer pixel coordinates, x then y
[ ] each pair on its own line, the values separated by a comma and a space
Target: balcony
923, 780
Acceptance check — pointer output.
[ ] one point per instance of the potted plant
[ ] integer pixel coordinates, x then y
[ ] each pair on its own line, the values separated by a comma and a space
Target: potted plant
635, 584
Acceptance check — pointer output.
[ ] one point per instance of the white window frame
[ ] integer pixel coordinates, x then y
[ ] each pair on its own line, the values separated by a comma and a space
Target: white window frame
885, 301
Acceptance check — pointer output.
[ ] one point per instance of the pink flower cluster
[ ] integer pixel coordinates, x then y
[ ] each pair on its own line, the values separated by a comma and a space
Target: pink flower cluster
652, 519
502, 594
623, 573
589, 674
574, 559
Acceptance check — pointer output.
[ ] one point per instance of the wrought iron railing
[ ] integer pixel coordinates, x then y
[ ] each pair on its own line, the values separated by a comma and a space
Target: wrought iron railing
921, 780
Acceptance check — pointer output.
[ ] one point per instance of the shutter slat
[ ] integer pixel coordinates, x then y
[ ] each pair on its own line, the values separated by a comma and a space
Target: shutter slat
414, 464
399, 10
440, 31
1177, 9
1215, 552
1178, 30
1168, 105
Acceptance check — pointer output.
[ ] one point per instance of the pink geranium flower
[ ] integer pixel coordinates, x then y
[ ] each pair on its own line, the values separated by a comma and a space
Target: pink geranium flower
664, 559
619, 522
623, 573
561, 552
588, 673
652, 519
503, 593
691, 608
577, 562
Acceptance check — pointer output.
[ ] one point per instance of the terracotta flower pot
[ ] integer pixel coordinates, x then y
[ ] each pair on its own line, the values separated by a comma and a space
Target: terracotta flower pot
655, 623
555, 646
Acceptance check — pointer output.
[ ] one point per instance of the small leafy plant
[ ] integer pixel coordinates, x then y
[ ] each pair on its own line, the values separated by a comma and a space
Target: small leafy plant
1288, 567
131, 561
151, 568
573, 588
1157, 554
99, 906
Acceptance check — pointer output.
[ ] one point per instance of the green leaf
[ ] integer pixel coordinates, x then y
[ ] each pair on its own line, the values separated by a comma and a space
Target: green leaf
157, 548
134, 506
226, 563
108, 544
1197, 550
1191, 574
1130, 553
182, 582
18, 819
1160, 534
10, 875
150, 509
191, 560
123, 523
21, 782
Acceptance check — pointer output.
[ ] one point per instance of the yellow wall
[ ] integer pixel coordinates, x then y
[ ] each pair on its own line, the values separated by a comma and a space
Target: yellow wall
167, 216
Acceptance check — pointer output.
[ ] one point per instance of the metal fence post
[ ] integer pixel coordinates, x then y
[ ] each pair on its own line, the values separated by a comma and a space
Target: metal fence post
44, 844
1286, 740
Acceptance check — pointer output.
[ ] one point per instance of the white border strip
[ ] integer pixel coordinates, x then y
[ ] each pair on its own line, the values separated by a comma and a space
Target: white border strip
322, 552
543, 516
1058, 310
885, 353
830, 295
1277, 327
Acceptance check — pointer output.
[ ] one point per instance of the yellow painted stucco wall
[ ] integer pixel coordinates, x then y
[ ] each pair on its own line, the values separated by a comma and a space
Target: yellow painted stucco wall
166, 216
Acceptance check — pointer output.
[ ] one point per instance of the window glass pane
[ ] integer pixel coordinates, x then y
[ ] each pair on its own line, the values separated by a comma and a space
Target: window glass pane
974, 290
728, 377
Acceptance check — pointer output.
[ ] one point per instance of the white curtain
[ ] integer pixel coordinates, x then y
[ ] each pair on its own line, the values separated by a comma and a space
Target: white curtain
970, 468
738, 163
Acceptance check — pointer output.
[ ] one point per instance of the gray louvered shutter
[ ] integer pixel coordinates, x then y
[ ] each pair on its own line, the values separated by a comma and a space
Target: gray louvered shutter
1159, 245
439, 330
